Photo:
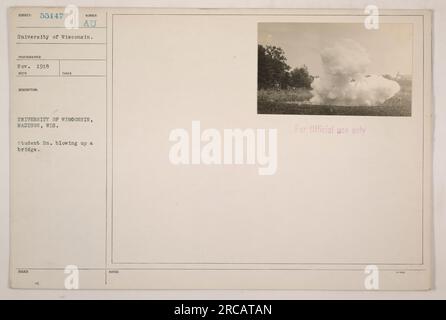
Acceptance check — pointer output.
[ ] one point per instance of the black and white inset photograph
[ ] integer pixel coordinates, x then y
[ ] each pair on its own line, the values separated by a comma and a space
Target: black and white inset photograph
334, 69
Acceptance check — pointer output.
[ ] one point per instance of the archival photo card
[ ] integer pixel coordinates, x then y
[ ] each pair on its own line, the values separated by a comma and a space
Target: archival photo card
196, 149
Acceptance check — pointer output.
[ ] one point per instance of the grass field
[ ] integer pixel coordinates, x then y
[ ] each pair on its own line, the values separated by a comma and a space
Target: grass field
296, 101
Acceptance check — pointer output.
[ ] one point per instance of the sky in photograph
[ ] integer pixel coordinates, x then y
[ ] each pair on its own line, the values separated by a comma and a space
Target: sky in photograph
389, 48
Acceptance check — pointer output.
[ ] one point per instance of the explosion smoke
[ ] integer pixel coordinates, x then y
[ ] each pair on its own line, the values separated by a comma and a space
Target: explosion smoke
345, 81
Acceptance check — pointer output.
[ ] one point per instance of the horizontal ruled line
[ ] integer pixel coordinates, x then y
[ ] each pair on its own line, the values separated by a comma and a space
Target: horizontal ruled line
63, 59
56, 27
62, 76
61, 43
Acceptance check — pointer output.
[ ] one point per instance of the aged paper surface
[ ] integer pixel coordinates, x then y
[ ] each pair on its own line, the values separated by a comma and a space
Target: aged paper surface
215, 149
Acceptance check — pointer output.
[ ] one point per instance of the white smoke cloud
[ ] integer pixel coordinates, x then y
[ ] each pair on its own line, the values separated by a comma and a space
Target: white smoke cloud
345, 81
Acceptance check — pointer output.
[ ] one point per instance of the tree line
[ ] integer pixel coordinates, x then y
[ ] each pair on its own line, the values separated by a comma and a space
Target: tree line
275, 73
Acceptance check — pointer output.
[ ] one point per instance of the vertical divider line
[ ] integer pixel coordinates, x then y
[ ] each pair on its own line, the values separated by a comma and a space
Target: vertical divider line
112, 151
106, 149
